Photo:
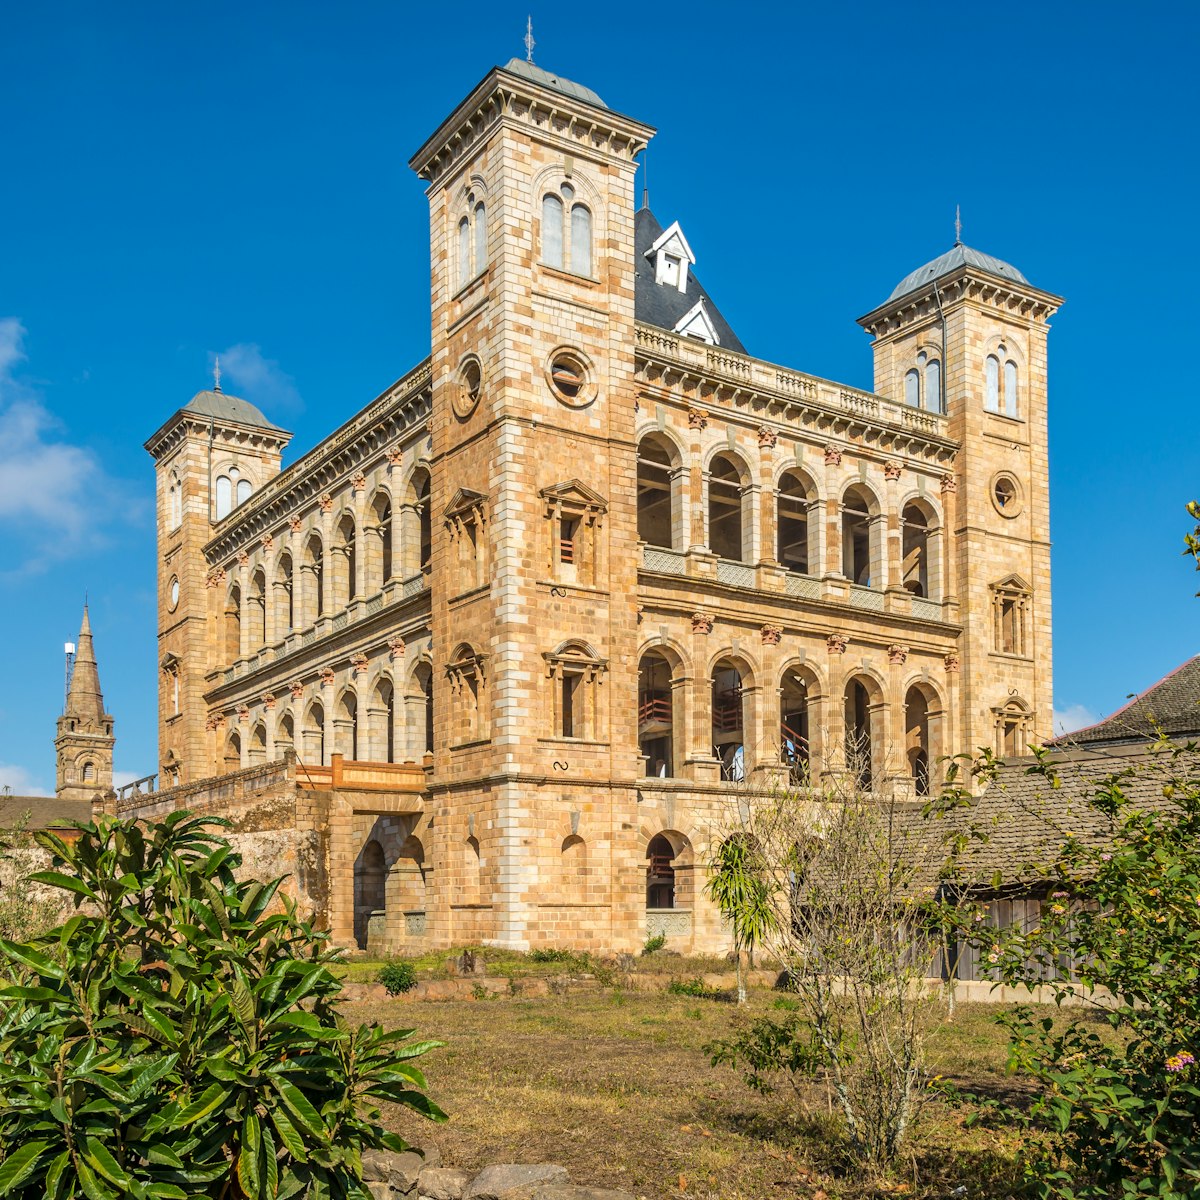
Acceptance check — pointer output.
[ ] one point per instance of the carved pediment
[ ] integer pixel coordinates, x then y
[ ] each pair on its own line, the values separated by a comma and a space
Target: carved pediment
463, 501
572, 494
1011, 583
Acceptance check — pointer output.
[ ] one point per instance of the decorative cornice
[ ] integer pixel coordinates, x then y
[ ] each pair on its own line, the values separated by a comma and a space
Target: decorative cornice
402, 411
502, 98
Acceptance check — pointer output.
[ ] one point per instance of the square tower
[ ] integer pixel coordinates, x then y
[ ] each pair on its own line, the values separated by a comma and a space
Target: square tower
965, 335
533, 495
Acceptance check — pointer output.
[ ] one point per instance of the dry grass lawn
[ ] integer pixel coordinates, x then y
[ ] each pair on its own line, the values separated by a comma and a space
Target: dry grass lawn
617, 1087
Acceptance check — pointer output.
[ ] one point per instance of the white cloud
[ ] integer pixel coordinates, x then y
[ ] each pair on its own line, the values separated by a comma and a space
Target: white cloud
20, 781
258, 379
1073, 717
51, 491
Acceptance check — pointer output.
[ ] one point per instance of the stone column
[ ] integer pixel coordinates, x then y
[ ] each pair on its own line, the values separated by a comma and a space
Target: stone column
244, 648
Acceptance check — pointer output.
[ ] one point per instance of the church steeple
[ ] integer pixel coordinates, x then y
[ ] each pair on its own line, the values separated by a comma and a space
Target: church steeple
84, 744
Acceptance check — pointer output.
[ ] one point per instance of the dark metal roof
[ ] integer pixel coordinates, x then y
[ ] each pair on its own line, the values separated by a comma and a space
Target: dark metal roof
223, 407
665, 305
954, 258
556, 83
1172, 705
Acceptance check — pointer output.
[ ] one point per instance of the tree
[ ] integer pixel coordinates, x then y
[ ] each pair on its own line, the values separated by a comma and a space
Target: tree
179, 1036
1115, 1114
739, 887
842, 887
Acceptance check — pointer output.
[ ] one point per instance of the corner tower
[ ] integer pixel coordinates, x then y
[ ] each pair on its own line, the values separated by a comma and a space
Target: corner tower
966, 335
83, 747
531, 183
212, 455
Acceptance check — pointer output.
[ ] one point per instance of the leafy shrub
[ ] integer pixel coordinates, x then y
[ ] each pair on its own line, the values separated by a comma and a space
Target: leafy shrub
179, 1036
398, 976
692, 987
657, 942
1119, 1115
766, 1048
551, 954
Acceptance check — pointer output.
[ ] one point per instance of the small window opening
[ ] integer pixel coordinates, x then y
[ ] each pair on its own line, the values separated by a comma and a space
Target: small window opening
568, 532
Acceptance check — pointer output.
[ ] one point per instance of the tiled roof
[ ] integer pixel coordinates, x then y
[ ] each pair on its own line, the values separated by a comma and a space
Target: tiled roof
1172, 705
556, 83
665, 305
41, 812
954, 258
224, 407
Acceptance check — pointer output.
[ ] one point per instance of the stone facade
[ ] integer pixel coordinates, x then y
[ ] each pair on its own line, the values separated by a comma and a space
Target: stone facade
592, 578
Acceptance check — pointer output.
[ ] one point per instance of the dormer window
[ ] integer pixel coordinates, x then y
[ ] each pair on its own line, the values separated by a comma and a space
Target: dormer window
696, 323
671, 256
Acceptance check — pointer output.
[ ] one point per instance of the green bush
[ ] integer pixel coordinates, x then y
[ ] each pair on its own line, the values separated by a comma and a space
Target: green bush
692, 987
398, 976
1115, 1115
551, 954
179, 1036
657, 942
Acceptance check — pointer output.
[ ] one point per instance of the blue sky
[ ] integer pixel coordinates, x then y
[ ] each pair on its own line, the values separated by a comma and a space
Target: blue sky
186, 179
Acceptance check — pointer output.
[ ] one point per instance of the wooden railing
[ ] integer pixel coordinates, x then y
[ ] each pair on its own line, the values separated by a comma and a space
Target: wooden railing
361, 776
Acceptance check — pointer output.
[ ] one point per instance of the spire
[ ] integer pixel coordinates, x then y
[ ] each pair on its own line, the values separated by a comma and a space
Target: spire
529, 42
84, 700
957, 225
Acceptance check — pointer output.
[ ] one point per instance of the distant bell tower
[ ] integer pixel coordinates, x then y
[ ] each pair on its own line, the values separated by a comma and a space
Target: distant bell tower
84, 744
965, 336
211, 456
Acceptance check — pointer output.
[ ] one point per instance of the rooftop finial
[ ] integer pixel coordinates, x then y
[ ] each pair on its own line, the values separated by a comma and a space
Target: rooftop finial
646, 178
957, 225
529, 42
216, 373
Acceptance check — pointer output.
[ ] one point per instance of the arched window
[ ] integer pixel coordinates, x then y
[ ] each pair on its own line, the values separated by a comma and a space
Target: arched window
347, 722
257, 750
384, 714
285, 605
991, 373
581, 240
912, 388
464, 252
224, 496
256, 610
233, 751
346, 562
860, 733
1010, 388
383, 517
728, 720
243, 491
417, 524
859, 551
792, 531
725, 517
933, 386
794, 745
233, 624
566, 232
660, 873
657, 501
481, 254
370, 890
315, 567
915, 547
552, 231
313, 734
656, 716
916, 739
89, 772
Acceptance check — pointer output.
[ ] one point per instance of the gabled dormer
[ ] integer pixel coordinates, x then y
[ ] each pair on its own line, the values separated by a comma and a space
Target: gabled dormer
669, 294
671, 256
696, 323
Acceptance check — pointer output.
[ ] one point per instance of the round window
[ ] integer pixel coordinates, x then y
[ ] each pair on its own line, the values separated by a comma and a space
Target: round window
570, 378
173, 590
1006, 495
468, 387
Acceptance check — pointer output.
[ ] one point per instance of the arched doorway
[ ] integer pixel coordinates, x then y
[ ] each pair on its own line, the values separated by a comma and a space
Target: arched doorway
370, 893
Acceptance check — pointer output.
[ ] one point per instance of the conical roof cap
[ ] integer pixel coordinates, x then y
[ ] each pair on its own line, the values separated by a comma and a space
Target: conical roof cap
84, 699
